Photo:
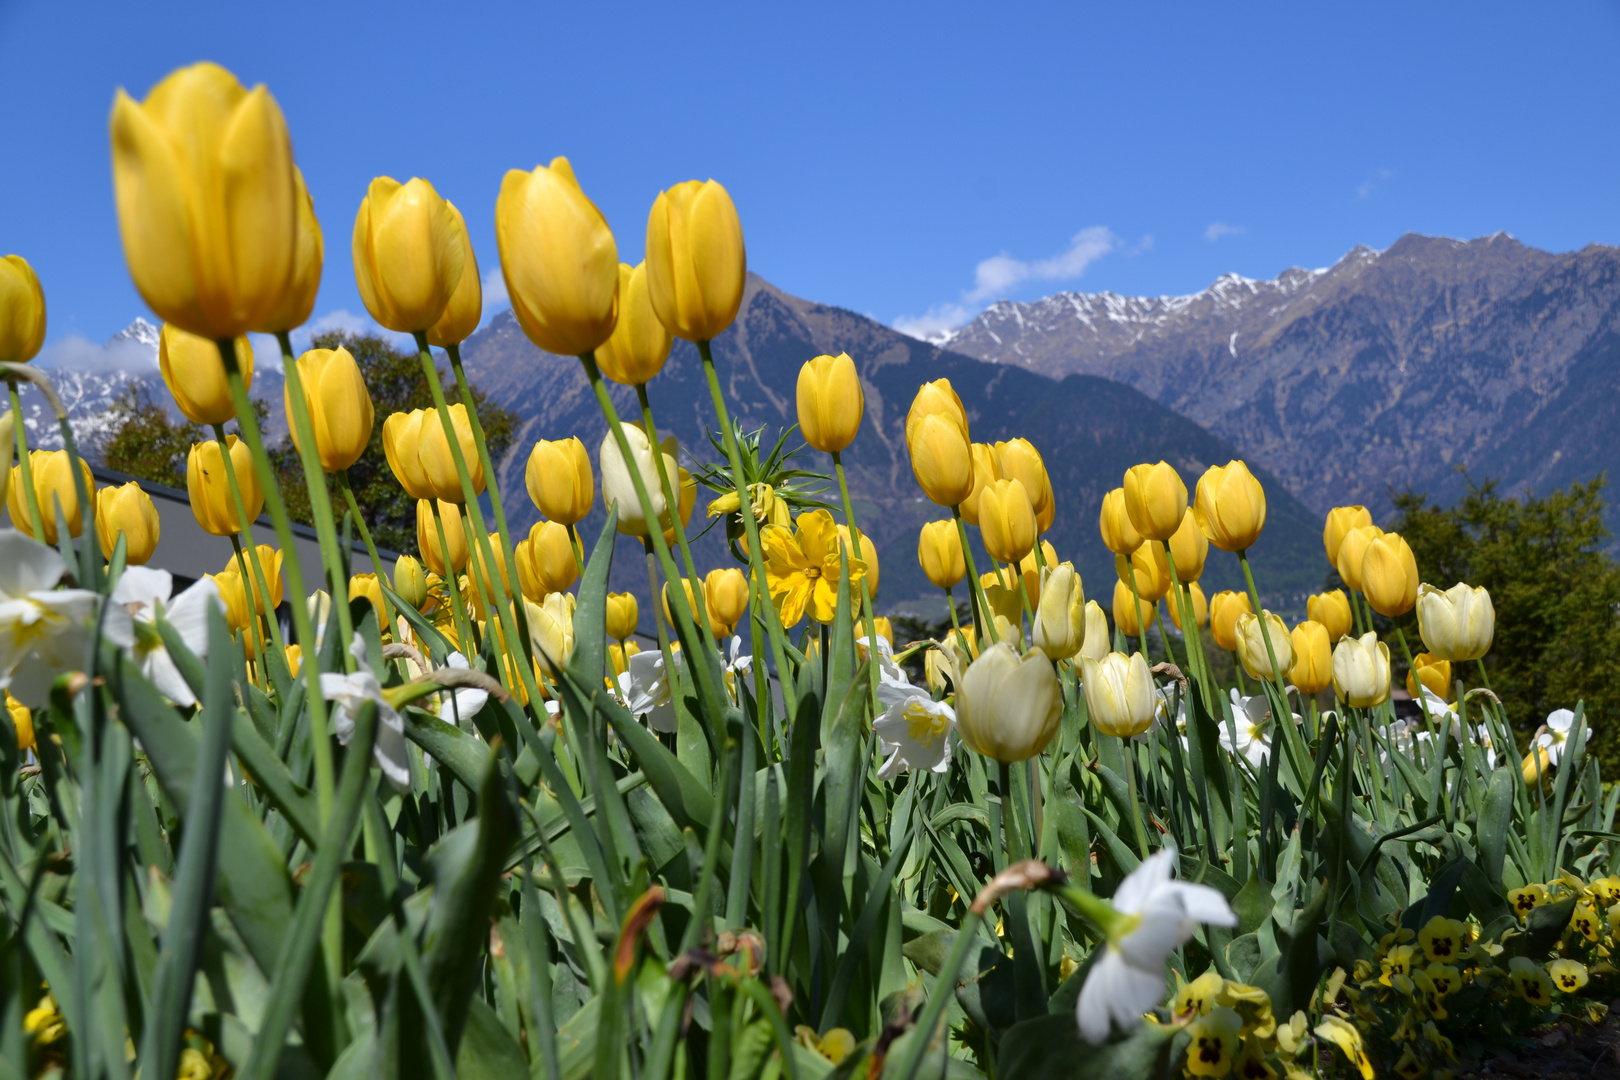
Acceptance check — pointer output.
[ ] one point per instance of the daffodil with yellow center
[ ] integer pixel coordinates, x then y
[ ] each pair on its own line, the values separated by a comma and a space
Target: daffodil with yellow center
802, 567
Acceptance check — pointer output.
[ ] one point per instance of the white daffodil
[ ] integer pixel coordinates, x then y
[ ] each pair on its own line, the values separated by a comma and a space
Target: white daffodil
889, 672
1483, 740
140, 599
1153, 916
914, 731
737, 665
645, 690
465, 703
351, 692
44, 630
1556, 737
1251, 717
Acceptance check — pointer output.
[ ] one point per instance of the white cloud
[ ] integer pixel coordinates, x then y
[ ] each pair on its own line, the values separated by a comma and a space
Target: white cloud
1219, 229
495, 289
266, 352
1141, 246
1000, 274
347, 321
1368, 186
75, 353
936, 323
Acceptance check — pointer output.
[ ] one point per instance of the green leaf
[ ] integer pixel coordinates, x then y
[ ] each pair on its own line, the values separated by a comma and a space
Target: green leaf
590, 613
1050, 1048
487, 1050
462, 755
270, 776
1545, 926
1253, 903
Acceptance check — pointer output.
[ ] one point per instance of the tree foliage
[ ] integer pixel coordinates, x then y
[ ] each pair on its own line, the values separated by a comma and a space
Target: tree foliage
146, 442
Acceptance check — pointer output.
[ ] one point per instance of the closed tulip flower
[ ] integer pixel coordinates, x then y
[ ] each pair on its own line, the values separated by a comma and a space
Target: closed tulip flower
1252, 632
207, 200
1456, 624
1189, 547
546, 561
551, 631
209, 487
427, 537
640, 344
937, 438
1430, 672
486, 578
985, 471
1361, 671
1060, 620
694, 597
559, 259
410, 581
340, 409
1118, 534
726, 592
439, 464
618, 487
1150, 568
53, 485
1006, 520
408, 253
22, 311
1224, 610
309, 255
195, 374
622, 614
1353, 552
1097, 639
270, 562
22, 718
1200, 608
1008, 707
1332, 610
1120, 695
1046, 508
560, 481
1389, 575
687, 484
233, 596
831, 402
939, 552
1340, 521
1230, 506
367, 586
402, 443
1001, 593
1155, 500
466, 305
867, 554
1312, 670
1017, 459
1129, 613
128, 511
696, 264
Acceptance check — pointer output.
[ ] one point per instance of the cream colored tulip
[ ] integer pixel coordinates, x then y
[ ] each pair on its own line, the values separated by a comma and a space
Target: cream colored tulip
1251, 633
1361, 671
1120, 695
1457, 624
1007, 707
1097, 641
551, 630
1060, 620
618, 488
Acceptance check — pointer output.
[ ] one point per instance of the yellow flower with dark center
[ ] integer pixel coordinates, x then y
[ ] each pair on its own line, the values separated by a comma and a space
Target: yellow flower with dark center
1252, 1062
44, 1021
1445, 978
1343, 1034
1253, 1005
1410, 1065
1398, 962
1529, 981
1197, 997
1439, 1041
1524, 901
1584, 921
1568, 975
1432, 1000
1606, 891
1442, 938
1214, 1042
802, 568
835, 1046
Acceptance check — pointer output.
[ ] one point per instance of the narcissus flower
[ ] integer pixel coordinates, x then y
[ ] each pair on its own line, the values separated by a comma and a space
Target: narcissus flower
195, 374
914, 730
831, 402
1457, 624
409, 253
351, 692
939, 552
1230, 506
340, 409
1120, 694
1361, 671
802, 568
126, 510
1332, 610
1007, 706
696, 263
22, 311
44, 630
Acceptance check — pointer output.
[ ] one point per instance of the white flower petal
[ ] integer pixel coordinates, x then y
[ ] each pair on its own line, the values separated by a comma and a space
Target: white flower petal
1140, 884
26, 565
143, 585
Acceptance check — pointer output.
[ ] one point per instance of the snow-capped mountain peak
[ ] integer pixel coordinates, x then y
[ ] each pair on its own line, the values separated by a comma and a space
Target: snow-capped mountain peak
139, 332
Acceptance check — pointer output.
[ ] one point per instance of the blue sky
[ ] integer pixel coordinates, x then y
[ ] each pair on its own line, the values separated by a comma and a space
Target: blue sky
912, 162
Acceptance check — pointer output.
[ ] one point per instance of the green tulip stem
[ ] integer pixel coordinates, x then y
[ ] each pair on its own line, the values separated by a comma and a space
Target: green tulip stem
866, 592
950, 606
480, 536
982, 615
342, 479
30, 499
255, 575
1355, 613
672, 498
579, 554
1423, 702
1265, 631
1129, 755
1017, 579
451, 577
1237, 670
253, 626
1141, 616
657, 614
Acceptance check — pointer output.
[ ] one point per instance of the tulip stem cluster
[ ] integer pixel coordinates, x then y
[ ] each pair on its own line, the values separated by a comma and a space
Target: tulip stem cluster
982, 618
868, 614
30, 499
252, 571
672, 499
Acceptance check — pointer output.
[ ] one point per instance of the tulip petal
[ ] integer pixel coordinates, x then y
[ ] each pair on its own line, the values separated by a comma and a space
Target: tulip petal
152, 217
261, 226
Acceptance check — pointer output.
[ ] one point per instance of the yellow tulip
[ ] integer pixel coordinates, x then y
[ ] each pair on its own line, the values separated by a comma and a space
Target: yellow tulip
1059, 626
339, 405
696, 263
466, 305
1332, 610
985, 471
482, 579
1120, 695
1537, 766
1361, 671
1147, 564
53, 485
551, 630
939, 445
209, 487
1189, 547
1200, 607
127, 510
620, 653
831, 402
298, 300
207, 201
1389, 575
1001, 593
408, 253
546, 561
270, 562
939, 552
640, 344
234, 597
22, 311
427, 537
694, 596
1017, 459
439, 464
367, 585
1046, 507
410, 581
402, 443
618, 487
726, 592
8, 443
622, 614
1230, 506
22, 721
1252, 632
1457, 624
1224, 610
1155, 500
1430, 671
1353, 550
1007, 706
1097, 640
560, 481
1006, 520
1118, 534
1129, 613
559, 259
195, 374
868, 555
1312, 670
1340, 521
688, 497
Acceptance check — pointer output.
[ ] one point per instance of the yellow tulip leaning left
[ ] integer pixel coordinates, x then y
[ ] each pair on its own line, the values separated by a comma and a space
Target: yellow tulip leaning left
558, 258
1120, 695
195, 374
1155, 499
1389, 575
1130, 613
545, 561
1200, 607
1230, 506
726, 592
340, 409
1007, 520
1457, 624
127, 510
1118, 534
207, 200
466, 304
560, 480
1332, 610
697, 266
439, 465
22, 311
1361, 671
939, 553
1251, 632
53, 486
402, 444
831, 402
408, 253
639, 346
210, 490
1312, 670
1007, 706
1059, 628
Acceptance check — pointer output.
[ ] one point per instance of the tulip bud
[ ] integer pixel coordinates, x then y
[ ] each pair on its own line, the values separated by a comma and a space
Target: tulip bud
1456, 624
1230, 506
207, 201
340, 409
1200, 608
439, 465
1189, 547
234, 598
985, 471
195, 374
1155, 500
1060, 621
1130, 613
1332, 610
1361, 671
1006, 520
1045, 508
618, 487
270, 563
1118, 534
127, 510
937, 439
560, 481
551, 631
402, 443
1312, 670
726, 592
1353, 553
1340, 521
1224, 610
640, 344
22, 718
367, 585
309, 254
687, 484
1252, 633
1149, 567
1430, 671
466, 305
427, 537
409, 253
1017, 459
1097, 640
410, 581
209, 487
868, 555
53, 487
546, 561
831, 402
622, 614
22, 311
694, 596
939, 552
1120, 695
1389, 575
1007, 707
885, 629
696, 264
